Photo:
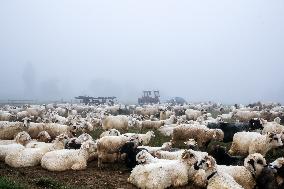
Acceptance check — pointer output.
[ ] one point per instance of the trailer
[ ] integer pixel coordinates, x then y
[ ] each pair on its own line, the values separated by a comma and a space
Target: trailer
96, 100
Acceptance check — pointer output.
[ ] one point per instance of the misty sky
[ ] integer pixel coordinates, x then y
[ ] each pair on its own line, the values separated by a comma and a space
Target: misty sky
229, 51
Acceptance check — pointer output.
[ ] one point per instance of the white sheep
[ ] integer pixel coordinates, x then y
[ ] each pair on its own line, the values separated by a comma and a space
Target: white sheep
61, 160
143, 138
275, 127
245, 116
32, 156
171, 120
53, 129
152, 150
144, 157
245, 175
120, 122
148, 124
193, 114
111, 145
21, 138
216, 179
200, 133
8, 130
111, 132
164, 174
168, 155
245, 143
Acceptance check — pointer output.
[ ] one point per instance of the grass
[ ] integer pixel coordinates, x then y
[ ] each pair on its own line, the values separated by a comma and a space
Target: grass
6, 183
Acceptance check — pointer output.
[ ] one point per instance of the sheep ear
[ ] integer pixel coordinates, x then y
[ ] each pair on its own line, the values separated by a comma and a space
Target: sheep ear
271, 135
185, 154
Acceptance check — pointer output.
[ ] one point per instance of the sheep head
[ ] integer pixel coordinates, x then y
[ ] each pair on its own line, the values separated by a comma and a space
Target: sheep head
278, 165
274, 139
255, 163
22, 138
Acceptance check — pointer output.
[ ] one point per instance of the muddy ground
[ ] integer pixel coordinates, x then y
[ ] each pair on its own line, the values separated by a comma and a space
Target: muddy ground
111, 176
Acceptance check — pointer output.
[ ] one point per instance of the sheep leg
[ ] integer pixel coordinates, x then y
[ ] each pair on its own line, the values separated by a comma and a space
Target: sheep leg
99, 162
79, 166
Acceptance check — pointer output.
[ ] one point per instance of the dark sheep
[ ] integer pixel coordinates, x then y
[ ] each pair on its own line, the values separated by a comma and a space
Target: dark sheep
229, 129
71, 144
223, 158
255, 124
131, 150
267, 179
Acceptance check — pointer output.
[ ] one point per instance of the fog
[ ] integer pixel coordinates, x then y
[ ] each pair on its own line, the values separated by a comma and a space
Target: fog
225, 50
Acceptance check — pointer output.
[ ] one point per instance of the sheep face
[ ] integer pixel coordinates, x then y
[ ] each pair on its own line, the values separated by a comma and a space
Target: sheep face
255, 163
62, 137
218, 135
274, 140
43, 136
189, 157
143, 157
90, 146
278, 165
191, 143
167, 145
134, 138
207, 163
114, 132
277, 120
22, 138
83, 138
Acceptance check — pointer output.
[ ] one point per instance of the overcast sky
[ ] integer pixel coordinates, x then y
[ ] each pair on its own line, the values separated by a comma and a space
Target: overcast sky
228, 51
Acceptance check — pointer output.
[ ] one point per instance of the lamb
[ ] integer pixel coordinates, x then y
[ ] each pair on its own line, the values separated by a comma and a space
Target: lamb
120, 122
245, 175
53, 129
21, 138
223, 158
75, 143
111, 132
274, 127
6, 116
193, 114
43, 136
32, 156
267, 179
216, 179
229, 129
38, 144
144, 157
162, 175
148, 124
201, 134
61, 160
8, 130
167, 130
152, 150
131, 150
111, 144
245, 116
168, 155
245, 143
278, 165
143, 138
191, 144
172, 119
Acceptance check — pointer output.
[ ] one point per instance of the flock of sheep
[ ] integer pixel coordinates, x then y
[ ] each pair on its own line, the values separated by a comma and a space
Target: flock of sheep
58, 137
